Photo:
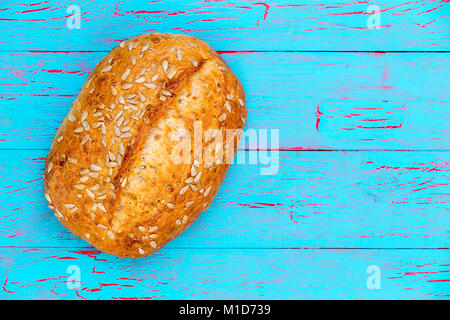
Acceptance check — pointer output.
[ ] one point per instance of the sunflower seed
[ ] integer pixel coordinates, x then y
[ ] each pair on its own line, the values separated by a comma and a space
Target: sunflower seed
93, 174
80, 186
125, 74
95, 167
207, 165
90, 194
145, 46
197, 177
112, 164
88, 83
179, 55
139, 80
125, 135
118, 115
113, 91
107, 68
170, 205
150, 85
96, 124
189, 203
132, 101
101, 207
124, 182
184, 189
84, 116
207, 191
196, 163
127, 85
227, 106
171, 73
165, 65
217, 148
85, 139
189, 180
116, 131
222, 117
85, 125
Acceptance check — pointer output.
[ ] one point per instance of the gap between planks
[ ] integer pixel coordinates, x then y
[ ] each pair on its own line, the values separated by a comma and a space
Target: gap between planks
232, 248
293, 149
245, 51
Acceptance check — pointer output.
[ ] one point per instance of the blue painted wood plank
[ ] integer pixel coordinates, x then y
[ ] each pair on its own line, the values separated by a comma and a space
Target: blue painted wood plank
317, 100
225, 274
315, 200
238, 25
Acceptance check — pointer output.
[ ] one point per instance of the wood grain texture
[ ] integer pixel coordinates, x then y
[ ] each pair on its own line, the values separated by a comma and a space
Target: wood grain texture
316, 200
225, 274
237, 25
329, 101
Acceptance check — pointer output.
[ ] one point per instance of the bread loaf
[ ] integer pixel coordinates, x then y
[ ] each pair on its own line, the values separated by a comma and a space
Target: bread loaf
145, 145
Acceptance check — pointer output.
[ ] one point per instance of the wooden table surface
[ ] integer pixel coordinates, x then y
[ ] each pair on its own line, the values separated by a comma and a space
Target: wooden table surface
362, 187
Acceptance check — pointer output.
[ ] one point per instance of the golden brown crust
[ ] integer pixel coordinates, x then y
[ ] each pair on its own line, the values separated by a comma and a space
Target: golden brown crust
127, 172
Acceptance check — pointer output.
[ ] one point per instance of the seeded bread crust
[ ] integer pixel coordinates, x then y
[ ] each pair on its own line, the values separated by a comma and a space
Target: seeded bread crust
119, 173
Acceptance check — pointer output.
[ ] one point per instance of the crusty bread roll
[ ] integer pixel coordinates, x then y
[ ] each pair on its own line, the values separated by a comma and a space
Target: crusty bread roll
145, 146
